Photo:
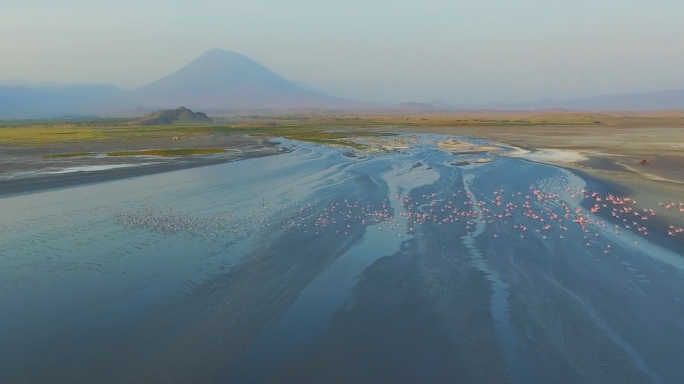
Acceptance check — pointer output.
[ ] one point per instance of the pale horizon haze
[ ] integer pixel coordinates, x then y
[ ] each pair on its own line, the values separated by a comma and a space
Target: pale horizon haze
383, 51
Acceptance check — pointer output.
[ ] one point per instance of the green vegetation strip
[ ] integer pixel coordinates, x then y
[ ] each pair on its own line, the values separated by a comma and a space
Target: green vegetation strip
311, 134
335, 143
62, 155
168, 152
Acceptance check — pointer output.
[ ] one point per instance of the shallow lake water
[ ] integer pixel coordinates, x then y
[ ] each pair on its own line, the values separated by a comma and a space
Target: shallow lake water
320, 265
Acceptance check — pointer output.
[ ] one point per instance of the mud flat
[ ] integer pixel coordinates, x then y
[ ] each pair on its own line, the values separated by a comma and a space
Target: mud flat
388, 144
461, 147
483, 160
39, 168
614, 149
548, 156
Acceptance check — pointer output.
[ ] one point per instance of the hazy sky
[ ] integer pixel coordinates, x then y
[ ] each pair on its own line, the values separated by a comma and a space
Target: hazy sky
385, 50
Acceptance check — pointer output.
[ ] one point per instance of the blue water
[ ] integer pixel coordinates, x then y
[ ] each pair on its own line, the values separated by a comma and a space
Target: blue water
262, 271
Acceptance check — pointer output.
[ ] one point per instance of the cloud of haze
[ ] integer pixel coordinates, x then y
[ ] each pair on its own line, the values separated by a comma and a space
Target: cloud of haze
385, 50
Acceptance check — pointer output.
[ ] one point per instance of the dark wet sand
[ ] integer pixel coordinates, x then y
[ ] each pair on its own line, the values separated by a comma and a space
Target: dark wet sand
20, 186
21, 161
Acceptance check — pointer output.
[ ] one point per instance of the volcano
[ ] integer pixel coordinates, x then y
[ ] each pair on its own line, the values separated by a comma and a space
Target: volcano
227, 80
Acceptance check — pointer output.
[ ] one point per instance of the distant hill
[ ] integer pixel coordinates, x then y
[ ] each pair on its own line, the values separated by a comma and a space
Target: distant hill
221, 81
409, 106
650, 101
226, 80
29, 84
172, 116
308, 87
22, 101
441, 104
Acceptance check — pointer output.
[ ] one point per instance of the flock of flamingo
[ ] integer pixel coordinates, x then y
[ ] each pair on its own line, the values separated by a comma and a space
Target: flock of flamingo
532, 211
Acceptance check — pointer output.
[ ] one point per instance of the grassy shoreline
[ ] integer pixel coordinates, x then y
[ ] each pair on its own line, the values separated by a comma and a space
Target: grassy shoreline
610, 137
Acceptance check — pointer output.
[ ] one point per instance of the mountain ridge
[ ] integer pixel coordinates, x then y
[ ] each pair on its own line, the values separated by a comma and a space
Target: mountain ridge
226, 81
221, 79
633, 101
21, 101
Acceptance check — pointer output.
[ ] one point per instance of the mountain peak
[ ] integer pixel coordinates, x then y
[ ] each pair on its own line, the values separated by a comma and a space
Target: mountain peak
223, 54
221, 79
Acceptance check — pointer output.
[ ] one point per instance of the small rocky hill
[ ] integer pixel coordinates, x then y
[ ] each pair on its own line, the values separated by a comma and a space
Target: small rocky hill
173, 116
